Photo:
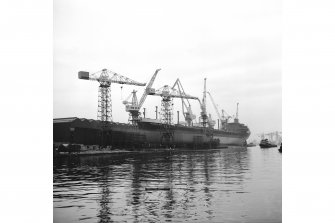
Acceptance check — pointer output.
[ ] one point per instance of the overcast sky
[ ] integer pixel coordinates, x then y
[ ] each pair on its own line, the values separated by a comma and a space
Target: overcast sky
235, 44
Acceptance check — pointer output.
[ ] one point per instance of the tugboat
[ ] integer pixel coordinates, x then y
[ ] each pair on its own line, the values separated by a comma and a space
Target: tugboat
280, 147
266, 144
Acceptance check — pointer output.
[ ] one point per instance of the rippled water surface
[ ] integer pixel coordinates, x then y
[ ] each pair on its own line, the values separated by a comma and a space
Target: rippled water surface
229, 185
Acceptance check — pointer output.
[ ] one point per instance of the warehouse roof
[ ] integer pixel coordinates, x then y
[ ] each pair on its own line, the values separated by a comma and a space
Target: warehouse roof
78, 122
86, 123
59, 120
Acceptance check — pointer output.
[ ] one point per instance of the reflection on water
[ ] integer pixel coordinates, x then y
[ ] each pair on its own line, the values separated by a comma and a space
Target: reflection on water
231, 185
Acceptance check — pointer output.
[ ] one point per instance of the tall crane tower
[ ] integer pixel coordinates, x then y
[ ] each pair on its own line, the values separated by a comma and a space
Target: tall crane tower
134, 106
106, 78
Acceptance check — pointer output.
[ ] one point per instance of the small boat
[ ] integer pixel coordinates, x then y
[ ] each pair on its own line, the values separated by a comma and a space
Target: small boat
251, 144
280, 147
266, 144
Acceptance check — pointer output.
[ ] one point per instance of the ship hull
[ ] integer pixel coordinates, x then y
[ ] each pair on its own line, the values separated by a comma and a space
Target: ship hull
143, 135
230, 140
197, 135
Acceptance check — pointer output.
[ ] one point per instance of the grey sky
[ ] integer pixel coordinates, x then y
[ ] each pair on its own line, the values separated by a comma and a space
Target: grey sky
235, 44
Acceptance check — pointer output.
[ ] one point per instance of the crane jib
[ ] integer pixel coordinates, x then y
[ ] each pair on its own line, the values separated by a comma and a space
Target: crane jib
128, 83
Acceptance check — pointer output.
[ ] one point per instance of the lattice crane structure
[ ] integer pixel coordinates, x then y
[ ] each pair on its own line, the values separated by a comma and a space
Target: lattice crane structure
168, 93
106, 78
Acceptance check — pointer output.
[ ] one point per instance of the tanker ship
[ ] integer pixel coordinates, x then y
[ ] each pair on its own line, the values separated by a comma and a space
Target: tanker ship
142, 132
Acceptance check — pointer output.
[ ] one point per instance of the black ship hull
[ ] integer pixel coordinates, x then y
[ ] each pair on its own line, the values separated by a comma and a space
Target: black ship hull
143, 135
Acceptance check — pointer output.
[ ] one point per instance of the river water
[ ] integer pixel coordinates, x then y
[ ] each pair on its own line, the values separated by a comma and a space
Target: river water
228, 185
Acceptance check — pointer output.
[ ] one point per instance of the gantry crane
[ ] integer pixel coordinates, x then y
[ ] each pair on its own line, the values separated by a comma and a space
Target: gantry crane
106, 78
188, 114
134, 106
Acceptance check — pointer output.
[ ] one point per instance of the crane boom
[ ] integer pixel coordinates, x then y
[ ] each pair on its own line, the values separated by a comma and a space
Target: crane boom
215, 106
181, 89
148, 88
168, 91
108, 77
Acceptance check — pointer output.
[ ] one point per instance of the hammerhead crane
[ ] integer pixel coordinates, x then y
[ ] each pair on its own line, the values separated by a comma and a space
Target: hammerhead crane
106, 78
168, 93
188, 114
134, 106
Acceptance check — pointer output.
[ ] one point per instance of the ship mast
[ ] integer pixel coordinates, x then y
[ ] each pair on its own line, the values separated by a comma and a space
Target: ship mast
204, 95
203, 106
236, 117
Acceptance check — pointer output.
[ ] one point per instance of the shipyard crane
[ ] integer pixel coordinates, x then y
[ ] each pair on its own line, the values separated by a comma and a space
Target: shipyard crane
221, 117
106, 78
206, 120
211, 122
188, 114
134, 106
168, 93
227, 116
